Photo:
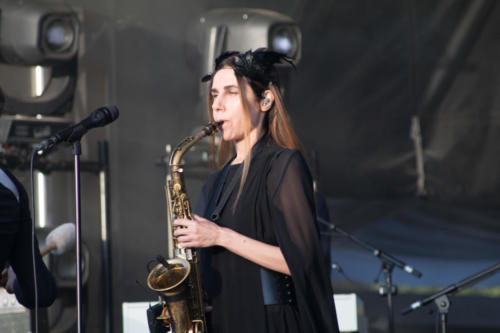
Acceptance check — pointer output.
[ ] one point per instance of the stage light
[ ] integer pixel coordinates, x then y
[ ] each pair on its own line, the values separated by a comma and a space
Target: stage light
59, 34
38, 57
37, 33
242, 29
285, 39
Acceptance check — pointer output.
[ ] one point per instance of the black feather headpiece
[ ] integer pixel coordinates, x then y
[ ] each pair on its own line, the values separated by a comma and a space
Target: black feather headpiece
256, 65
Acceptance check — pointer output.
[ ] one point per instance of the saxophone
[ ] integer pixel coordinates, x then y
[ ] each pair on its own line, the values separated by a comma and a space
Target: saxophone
177, 278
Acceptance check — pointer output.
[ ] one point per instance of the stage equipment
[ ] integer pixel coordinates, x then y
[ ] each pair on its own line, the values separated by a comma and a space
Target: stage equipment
18, 129
37, 32
388, 263
241, 29
350, 313
105, 234
177, 278
441, 297
38, 48
100, 117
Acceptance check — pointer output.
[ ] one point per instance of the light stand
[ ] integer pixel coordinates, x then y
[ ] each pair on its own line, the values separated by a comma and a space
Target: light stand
388, 263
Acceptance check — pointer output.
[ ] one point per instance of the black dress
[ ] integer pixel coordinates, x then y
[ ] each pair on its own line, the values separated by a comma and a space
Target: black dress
276, 207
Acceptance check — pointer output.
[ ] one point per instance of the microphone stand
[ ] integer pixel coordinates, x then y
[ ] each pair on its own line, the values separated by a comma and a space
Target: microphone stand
388, 263
441, 297
73, 134
77, 151
101, 167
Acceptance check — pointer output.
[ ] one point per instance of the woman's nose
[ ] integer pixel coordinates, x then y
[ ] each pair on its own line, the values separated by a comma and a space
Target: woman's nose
217, 104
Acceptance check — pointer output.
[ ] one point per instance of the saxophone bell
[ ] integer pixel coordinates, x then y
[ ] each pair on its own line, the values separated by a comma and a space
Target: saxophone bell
169, 280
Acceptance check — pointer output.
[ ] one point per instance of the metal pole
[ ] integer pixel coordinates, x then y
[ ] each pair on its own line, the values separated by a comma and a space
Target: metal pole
388, 281
77, 150
105, 233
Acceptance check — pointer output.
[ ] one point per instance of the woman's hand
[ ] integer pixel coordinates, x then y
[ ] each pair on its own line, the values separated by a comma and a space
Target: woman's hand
198, 232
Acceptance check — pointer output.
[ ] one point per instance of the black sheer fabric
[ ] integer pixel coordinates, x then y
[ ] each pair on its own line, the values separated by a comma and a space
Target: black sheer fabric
275, 207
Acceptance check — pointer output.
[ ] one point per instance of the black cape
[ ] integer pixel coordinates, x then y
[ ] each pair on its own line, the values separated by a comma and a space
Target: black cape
277, 207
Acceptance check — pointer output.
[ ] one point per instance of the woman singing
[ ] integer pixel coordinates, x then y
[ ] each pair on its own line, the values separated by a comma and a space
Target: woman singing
262, 264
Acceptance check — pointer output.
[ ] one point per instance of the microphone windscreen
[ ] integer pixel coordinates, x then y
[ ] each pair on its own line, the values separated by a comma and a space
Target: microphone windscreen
113, 112
63, 236
104, 115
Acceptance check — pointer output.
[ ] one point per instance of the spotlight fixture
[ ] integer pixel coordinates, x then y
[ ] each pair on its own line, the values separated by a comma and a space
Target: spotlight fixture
242, 29
38, 57
59, 35
36, 33
285, 38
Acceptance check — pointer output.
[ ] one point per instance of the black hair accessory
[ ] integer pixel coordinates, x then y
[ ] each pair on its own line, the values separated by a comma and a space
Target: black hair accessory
256, 65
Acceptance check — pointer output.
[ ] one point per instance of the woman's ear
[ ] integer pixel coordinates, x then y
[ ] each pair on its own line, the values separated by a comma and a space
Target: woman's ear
267, 101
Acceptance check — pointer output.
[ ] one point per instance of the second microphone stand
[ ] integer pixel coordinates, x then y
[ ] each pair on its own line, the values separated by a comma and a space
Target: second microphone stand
388, 264
441, 297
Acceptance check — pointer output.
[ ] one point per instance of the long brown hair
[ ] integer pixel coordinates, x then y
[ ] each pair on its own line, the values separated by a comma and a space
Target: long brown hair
276, 124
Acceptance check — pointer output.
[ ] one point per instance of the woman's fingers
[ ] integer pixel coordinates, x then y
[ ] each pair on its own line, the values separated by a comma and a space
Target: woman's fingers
198, 232
182, 222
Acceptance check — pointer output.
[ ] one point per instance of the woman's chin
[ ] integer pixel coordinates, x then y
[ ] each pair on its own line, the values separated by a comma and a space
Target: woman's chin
227, 136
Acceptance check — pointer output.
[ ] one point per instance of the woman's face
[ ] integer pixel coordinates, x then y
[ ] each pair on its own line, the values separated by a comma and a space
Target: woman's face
227, 106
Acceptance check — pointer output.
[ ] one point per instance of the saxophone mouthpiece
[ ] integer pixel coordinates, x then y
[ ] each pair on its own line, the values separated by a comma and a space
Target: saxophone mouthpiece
218, 126
211, 128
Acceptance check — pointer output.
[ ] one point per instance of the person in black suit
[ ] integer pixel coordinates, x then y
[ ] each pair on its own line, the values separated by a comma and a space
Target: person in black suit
16, 247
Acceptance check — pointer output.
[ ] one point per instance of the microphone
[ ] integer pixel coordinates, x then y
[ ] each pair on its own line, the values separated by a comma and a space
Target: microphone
60, 240
100, 117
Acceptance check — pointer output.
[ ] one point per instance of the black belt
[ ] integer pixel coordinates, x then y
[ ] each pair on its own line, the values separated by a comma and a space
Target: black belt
277, 288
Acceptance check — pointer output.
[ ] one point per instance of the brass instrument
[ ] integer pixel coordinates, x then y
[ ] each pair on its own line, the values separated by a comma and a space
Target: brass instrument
177, 278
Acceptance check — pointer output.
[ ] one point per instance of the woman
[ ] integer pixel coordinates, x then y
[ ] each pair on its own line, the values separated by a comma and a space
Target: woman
262, 264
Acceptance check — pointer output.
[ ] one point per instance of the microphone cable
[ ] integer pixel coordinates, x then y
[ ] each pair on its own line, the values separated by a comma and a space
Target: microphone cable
33, 237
